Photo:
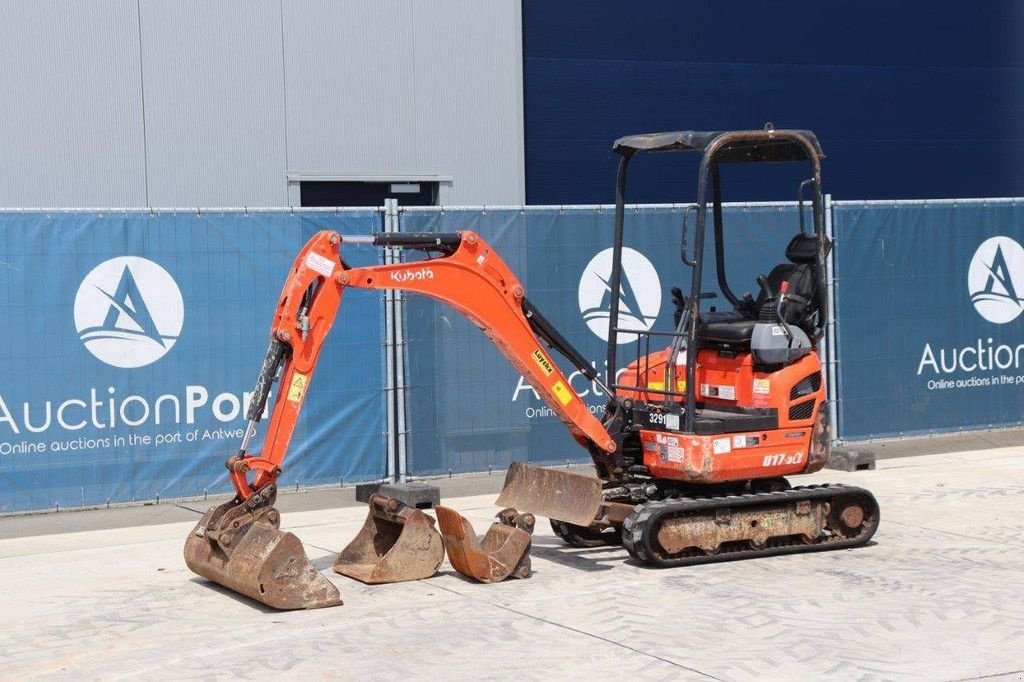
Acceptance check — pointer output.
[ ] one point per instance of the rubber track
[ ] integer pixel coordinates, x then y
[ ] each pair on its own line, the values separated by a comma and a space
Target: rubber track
638, 529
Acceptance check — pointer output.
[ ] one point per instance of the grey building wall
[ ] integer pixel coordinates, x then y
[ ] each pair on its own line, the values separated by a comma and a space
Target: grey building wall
193, 103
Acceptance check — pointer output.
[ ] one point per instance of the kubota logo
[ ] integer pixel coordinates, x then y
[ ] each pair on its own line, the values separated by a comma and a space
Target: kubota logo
996, 280
639, 294
129, 312
412, 275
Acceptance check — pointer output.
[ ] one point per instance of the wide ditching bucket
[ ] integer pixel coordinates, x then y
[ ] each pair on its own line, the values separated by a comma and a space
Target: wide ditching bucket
397, 543
559, 495
504, 551
245, 551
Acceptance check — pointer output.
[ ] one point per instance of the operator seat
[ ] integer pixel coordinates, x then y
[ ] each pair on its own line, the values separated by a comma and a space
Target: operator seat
732, 331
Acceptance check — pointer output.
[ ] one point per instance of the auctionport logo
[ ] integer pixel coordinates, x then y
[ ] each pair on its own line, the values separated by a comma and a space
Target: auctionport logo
639, 291
129, 312
996, 280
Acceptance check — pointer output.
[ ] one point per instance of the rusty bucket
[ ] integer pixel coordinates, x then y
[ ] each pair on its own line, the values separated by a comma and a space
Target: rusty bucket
245, 551
397, 543
560, 495
504, 551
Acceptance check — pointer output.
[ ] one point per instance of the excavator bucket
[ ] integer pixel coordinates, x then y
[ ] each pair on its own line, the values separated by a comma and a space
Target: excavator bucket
559, 495
246, 552
503, 552
397, 543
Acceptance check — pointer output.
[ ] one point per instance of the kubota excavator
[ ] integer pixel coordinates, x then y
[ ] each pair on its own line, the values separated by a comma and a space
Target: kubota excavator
695, 442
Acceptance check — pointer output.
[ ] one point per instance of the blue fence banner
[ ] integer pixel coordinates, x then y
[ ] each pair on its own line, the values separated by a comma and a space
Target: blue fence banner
468, 408
929, 299
131, 341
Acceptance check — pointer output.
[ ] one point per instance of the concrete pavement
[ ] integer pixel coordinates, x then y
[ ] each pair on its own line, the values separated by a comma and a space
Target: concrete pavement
938, 595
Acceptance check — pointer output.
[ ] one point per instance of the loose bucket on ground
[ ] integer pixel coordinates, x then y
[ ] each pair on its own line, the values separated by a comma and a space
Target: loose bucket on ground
245, 551
397, 543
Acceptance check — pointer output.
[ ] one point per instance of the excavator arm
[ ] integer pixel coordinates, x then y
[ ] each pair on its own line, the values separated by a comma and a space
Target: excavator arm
467, 274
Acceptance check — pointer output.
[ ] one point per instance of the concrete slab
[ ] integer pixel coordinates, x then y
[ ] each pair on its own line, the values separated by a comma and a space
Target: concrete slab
939, 595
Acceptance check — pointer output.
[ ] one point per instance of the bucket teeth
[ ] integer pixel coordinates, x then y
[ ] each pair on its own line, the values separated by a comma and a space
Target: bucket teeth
559, 495
396, 543
245, 551
504, 551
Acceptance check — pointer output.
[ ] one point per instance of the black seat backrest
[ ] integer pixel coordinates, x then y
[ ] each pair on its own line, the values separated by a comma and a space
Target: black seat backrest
802, 302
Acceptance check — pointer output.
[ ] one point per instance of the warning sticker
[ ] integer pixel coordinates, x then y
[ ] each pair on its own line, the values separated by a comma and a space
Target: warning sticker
745, 441
297, 388
762, 386
673, 453
543, 362
562, 392
672, 421
317, 263
721, 446
656, 385
718, 391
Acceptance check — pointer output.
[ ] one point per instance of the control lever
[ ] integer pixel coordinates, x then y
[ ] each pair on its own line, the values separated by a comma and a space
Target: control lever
783, 288
762, 281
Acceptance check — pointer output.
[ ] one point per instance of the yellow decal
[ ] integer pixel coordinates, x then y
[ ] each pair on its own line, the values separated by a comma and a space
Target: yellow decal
656, 385
561, 392
680, 384
762, 386
542, 362
297, 389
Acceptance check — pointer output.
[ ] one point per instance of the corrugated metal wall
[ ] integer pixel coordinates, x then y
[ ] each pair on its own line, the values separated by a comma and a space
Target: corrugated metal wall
191, 103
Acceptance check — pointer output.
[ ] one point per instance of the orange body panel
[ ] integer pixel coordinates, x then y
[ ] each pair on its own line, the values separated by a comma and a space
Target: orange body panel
730, 382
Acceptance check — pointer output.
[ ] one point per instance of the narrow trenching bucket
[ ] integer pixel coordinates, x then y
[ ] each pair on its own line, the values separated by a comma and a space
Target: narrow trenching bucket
397, 543
245, 551
559, 495
504, 551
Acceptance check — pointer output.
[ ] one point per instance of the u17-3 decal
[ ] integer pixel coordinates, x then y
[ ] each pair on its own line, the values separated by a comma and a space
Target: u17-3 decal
782, 459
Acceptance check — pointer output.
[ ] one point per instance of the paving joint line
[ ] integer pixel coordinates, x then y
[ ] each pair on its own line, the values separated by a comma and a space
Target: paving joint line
584, 633
989, 677
944, 532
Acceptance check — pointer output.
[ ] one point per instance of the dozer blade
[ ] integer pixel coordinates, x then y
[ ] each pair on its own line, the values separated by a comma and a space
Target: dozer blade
396, 543
246, 552
555, 494
504, 551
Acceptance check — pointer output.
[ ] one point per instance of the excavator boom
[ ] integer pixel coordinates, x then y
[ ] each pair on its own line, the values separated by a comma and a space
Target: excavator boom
465, 273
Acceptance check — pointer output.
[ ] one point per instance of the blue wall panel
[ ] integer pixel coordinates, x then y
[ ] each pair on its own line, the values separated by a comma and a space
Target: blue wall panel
911, 100
929, 303
115, 323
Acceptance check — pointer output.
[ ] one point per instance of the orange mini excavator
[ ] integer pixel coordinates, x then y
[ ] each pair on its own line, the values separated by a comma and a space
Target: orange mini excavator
695, 442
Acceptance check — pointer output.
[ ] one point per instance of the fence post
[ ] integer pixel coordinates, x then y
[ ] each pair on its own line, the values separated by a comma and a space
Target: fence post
389, 356
397, 433
832, 357
401, 387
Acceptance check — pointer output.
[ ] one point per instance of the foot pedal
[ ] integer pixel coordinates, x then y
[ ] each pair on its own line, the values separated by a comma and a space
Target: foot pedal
504, 551
397, 543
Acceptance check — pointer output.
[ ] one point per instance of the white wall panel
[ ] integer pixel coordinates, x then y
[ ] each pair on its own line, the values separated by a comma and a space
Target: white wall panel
70, 105
197, 103
403, 87
214, 98
468, 97
349, 86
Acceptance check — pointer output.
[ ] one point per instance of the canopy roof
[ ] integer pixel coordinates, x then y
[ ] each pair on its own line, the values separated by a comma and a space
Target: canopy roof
747, 146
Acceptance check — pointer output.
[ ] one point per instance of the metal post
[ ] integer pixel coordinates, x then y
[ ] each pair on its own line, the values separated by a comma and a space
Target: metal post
401, 433
389, 361
832, 355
